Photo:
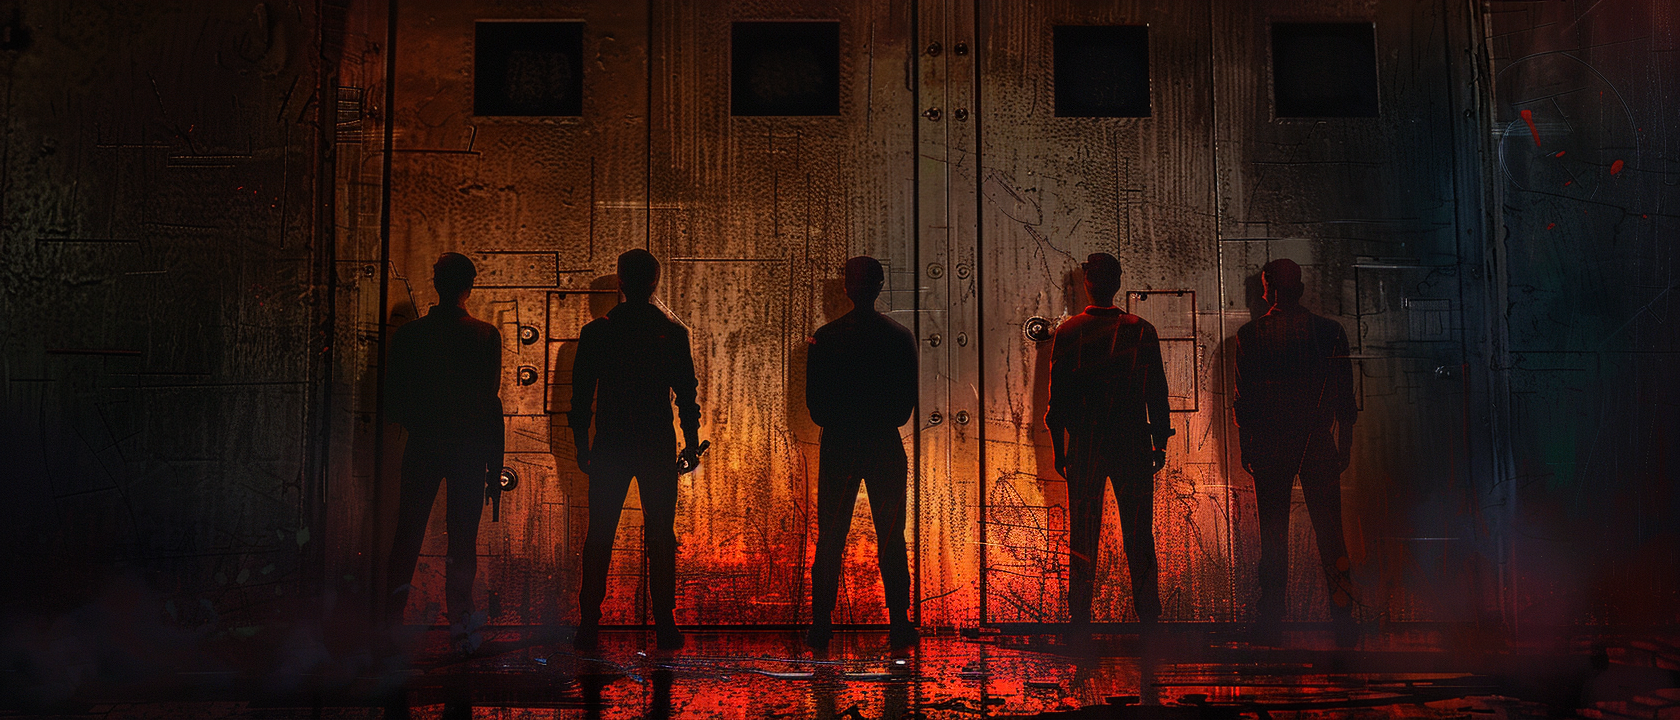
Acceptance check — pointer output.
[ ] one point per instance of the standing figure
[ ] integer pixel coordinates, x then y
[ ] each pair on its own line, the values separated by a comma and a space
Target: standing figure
1108, 393
445, 373
629, 365
860, 388
1294, 383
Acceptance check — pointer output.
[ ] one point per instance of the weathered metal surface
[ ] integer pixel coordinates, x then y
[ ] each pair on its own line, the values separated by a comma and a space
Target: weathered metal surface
155, 306
165, 292
1054, 190
1367, 206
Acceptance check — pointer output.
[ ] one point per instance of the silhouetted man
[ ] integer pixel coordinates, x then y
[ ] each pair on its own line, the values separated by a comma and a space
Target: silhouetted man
860, 387
1294, 383
1108, 393
629, 364
445, 371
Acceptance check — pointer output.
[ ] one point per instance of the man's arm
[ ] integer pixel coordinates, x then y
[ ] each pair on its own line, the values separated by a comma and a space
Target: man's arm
584, 378
398, 380
686, 388
1340, 391
908, 387
1242, 396
817, 372
1055, 413
491, 385
1155, 388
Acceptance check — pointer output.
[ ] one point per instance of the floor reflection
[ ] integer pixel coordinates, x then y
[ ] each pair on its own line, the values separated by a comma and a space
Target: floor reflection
1185, 672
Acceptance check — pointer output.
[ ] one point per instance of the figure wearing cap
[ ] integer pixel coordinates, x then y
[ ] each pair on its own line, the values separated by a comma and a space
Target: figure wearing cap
630, 366
442, 386
1108, 420
1294, 385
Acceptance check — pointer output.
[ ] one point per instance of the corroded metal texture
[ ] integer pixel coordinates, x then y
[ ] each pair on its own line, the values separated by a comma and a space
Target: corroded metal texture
156, 305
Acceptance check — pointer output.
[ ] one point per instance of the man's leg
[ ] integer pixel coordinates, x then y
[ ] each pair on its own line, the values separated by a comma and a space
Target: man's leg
1321, 484
886, 480
421, 473
657, 480
837, 488
1134, 494
608, 482
1085, 506
464, 509
1271, 503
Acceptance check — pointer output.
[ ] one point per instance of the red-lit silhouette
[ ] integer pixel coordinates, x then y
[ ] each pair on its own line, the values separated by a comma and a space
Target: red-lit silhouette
1108, 394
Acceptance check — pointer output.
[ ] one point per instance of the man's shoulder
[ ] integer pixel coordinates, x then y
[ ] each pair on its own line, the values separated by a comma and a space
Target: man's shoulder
480, 328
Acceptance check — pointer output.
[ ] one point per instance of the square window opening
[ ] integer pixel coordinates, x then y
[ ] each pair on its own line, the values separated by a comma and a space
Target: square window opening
528, 69
1101, 70
1324, 70
785, 68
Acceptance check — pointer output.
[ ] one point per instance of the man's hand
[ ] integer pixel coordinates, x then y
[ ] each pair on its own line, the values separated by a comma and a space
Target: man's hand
583, 459
1062, 465
1157, 460
689, 459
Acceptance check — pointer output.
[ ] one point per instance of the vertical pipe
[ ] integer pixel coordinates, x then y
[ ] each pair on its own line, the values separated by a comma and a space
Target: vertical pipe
915, 60
979, 292
378, 595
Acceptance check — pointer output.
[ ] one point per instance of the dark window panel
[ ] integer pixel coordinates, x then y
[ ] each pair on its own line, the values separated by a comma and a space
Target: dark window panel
1102, 70
528, 69
785, 68
1324, 70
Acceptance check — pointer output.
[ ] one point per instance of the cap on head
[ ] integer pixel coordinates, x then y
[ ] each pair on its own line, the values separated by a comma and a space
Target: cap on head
452, 275
638, 273
1282, 278
864, 278
1102, 272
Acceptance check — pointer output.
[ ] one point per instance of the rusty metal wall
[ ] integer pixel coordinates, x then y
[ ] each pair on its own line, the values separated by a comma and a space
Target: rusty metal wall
1053, 190
1373, 209
157, 309
981, 228
752, 217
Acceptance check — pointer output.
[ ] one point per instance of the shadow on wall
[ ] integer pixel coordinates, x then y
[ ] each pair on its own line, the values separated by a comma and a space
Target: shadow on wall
570, 483
1052, 485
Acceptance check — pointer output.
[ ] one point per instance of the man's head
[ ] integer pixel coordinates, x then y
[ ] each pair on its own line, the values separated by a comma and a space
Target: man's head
1102, 277
864, 278
638, 274
453, 275
1280, 282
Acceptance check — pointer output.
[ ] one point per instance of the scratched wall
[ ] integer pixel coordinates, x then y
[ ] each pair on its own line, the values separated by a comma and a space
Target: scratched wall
981, 230
156, 310
1585, 136
752, 217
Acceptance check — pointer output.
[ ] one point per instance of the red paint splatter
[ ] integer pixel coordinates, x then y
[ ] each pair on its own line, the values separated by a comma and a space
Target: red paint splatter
1528, 117
1615, 167
1567, 183
1559, 154
1551, 225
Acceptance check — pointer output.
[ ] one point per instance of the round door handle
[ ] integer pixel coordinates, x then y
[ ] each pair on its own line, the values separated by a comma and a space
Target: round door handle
932, 113
1038, 329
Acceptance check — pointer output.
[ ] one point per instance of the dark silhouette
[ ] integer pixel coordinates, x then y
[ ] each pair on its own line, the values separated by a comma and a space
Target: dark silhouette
629, 364
1294, 382
860, 387
1108, 392
445, 372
